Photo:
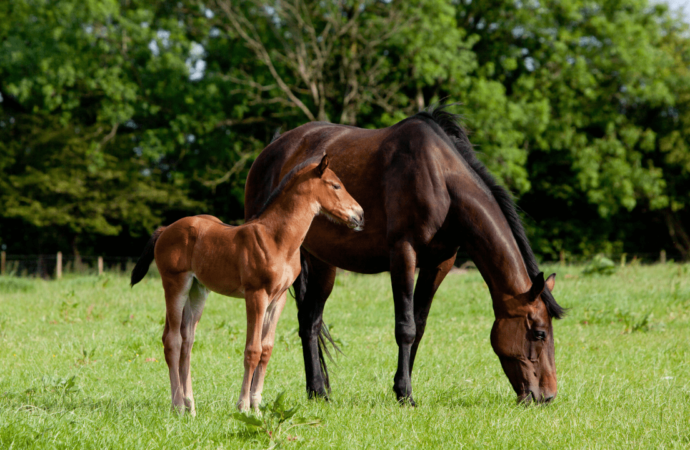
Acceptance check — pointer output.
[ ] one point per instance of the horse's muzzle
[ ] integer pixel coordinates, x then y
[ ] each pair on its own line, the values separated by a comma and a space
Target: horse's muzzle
535, 396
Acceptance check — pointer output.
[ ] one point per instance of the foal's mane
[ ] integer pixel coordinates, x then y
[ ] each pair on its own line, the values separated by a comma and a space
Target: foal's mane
451, 124
283, 183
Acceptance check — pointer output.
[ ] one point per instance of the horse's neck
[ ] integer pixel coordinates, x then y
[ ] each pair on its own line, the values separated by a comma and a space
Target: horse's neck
487, 237
288, 219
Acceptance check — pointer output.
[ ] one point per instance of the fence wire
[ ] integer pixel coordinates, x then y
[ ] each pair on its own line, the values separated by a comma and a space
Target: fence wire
45, 266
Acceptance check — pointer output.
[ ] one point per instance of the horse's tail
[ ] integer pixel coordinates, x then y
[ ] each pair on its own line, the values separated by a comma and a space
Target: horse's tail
146, 258
300, 291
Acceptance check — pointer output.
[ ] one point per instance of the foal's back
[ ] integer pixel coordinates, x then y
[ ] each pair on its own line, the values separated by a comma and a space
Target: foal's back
206, 248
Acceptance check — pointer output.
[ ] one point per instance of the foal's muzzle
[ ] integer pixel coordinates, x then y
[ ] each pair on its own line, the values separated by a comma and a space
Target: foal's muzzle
357, 221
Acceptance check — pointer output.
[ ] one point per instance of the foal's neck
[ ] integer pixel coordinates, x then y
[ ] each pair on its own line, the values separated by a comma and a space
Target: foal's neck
288, 219
488, 238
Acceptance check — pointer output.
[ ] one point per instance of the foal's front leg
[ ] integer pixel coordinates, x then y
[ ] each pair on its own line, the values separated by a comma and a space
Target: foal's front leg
256, 303
268, 336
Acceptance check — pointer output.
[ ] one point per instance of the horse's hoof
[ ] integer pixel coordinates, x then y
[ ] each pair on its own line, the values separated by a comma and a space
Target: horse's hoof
406, 401
320, 394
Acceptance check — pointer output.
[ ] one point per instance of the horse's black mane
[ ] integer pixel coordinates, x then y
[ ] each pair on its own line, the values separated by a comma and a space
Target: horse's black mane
451, 125
283, 183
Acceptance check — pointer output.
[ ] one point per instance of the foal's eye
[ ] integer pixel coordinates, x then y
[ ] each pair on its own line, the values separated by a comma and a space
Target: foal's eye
336, 186
540, 335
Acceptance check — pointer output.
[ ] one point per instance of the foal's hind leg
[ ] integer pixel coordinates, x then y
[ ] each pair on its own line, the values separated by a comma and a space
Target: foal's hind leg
268, 335
256, 303
176, 293
190, 318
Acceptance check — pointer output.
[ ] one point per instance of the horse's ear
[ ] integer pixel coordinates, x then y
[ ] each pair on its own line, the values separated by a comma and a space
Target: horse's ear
551, 282
323, 165
538, 285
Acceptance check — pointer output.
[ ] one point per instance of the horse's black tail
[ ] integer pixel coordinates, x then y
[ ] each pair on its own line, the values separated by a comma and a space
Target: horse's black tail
146, 258
300, 292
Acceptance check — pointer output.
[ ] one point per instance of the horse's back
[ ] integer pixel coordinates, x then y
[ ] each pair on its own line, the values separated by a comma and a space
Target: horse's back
397, 174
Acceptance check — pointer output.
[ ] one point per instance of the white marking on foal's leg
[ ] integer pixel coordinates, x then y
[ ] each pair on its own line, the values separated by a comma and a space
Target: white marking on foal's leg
191, 316
176, 291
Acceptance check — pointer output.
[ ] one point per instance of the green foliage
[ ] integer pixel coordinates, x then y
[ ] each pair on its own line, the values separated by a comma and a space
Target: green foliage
11, 284
615, 389
116, 116
275, 419
600, 265
58, 385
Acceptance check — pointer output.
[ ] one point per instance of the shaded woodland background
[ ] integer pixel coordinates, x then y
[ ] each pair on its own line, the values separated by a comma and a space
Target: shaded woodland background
120, 115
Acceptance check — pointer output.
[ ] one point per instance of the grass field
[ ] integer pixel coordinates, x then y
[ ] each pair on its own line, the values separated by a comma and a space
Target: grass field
82, 366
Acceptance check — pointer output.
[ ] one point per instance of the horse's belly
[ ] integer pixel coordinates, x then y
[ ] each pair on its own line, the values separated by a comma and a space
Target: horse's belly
362, 254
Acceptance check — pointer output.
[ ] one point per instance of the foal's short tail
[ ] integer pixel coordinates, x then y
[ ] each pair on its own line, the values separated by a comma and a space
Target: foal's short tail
146, 258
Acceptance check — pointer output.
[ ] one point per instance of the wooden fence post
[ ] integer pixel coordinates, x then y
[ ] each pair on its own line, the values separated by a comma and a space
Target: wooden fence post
662, 257
58, 266
3, 257
100, 265
562, 258
623, 259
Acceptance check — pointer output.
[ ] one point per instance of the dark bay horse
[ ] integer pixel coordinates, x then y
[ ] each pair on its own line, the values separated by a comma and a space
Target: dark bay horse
425, 195
257, 261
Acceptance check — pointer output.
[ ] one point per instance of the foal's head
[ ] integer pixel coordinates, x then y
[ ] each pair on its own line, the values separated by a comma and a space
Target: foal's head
523, 341
334, 201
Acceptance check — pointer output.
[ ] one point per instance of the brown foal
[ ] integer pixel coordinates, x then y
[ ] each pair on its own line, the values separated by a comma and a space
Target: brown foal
257, 261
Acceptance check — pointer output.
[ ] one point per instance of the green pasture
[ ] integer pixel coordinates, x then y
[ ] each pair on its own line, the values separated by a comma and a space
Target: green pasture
81, 366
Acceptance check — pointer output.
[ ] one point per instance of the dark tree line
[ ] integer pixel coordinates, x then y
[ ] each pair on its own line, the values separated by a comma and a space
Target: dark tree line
119, 115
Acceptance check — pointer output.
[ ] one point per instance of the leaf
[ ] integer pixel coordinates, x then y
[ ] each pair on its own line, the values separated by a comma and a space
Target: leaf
305, 421
290, 412
248, 419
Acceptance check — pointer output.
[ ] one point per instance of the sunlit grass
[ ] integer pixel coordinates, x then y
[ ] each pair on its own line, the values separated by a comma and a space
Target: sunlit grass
623, 359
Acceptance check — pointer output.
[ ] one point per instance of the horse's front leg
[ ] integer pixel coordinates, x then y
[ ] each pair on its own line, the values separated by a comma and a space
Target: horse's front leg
268, 336
256, 303
403, 260
311, 292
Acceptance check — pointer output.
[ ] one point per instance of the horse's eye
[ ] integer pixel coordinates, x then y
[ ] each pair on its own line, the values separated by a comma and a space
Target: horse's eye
336, 186
540, 335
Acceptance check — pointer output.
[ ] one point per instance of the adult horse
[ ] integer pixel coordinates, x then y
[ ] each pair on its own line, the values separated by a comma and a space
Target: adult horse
425, 195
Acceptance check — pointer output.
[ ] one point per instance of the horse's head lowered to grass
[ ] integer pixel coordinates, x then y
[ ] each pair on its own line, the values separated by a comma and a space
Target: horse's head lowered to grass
522, 337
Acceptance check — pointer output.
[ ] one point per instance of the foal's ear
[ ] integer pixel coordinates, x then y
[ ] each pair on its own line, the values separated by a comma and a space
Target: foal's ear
323, 165
551, 282
538, 285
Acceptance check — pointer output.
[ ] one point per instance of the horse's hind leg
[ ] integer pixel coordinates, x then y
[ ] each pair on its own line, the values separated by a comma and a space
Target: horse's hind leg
256, 303
190, 319
428, 282
268, 335
176, 294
